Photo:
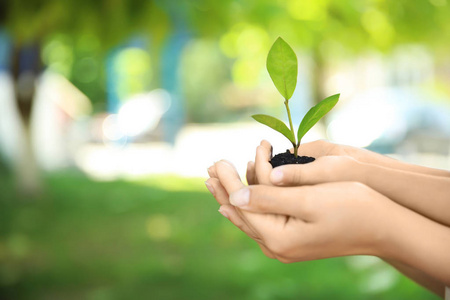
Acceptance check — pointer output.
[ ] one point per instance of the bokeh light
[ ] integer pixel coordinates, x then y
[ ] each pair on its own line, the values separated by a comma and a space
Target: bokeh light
125, 104
143, 112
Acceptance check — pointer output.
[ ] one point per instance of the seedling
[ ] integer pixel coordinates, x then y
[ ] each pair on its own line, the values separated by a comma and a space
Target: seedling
282, 68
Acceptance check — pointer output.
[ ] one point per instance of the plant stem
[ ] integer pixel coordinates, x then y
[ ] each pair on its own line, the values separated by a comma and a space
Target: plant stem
286, 103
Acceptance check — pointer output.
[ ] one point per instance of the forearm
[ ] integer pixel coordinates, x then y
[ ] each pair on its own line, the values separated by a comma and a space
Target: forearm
425, 194
416, 241
366, 156
419, 277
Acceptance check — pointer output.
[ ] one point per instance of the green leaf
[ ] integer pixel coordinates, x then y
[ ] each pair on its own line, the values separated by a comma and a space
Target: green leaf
275, 124
282, 67
315, 114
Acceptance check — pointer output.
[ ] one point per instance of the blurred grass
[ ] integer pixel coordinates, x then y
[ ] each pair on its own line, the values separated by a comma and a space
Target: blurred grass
159, 238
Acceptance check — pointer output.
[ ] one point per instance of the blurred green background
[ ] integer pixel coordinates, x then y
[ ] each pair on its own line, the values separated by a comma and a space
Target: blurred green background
111, 111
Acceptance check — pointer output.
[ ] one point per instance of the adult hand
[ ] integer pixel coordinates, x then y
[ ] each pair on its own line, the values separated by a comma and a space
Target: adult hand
348, 154
407, 188
309, 222
323, 169
259, 172
334, 168
223, 174
333, 219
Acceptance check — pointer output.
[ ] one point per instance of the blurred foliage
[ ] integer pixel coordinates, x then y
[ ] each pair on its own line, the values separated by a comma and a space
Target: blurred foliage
162, 238
3, 166
230, 39
159, 238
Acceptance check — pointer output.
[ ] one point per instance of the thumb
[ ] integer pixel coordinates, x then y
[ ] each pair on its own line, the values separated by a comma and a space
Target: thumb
273, 200
292, 175
324, 169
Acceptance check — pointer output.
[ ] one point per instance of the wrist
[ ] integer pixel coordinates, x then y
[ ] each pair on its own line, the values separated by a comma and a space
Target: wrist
372, 175
386, 244
383, 237
415, 240
378, 213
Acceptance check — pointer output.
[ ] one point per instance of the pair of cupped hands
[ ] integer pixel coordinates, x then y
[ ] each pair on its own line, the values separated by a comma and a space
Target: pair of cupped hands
301, 212
349, 201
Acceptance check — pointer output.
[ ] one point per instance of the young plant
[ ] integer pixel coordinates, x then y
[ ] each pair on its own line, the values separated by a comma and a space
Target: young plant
282, 68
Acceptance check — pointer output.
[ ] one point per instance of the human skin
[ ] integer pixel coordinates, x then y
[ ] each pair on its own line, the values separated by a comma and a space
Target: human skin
341, 203
322, 148
424, 190
260, 171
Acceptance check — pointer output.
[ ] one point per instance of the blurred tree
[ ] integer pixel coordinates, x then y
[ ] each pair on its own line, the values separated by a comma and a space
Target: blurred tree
330, 30
25, 68
325, 29
30, 23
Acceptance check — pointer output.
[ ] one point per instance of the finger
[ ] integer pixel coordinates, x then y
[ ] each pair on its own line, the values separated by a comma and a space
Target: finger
287, 175
262, 164
217, 190
316, 148
250, 174
269, 228
236, 216
324, 169
267, 146
262, 199
228, 176
212, 172
316, 172
223, 198
230, 212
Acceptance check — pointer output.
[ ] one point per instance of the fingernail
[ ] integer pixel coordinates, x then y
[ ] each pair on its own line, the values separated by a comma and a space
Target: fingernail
240, 198
209, 171
210, 187
223, 212
276, 176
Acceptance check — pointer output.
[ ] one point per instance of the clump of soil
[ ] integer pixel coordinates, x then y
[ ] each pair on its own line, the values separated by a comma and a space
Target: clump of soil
287, 158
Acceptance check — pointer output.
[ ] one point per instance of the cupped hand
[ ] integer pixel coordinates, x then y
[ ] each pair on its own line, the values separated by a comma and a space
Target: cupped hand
308, 222
405, 187
326, 168
323, 169
258, 172
223, 180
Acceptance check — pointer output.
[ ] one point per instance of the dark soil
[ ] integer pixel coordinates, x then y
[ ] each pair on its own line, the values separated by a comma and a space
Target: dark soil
287, 158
